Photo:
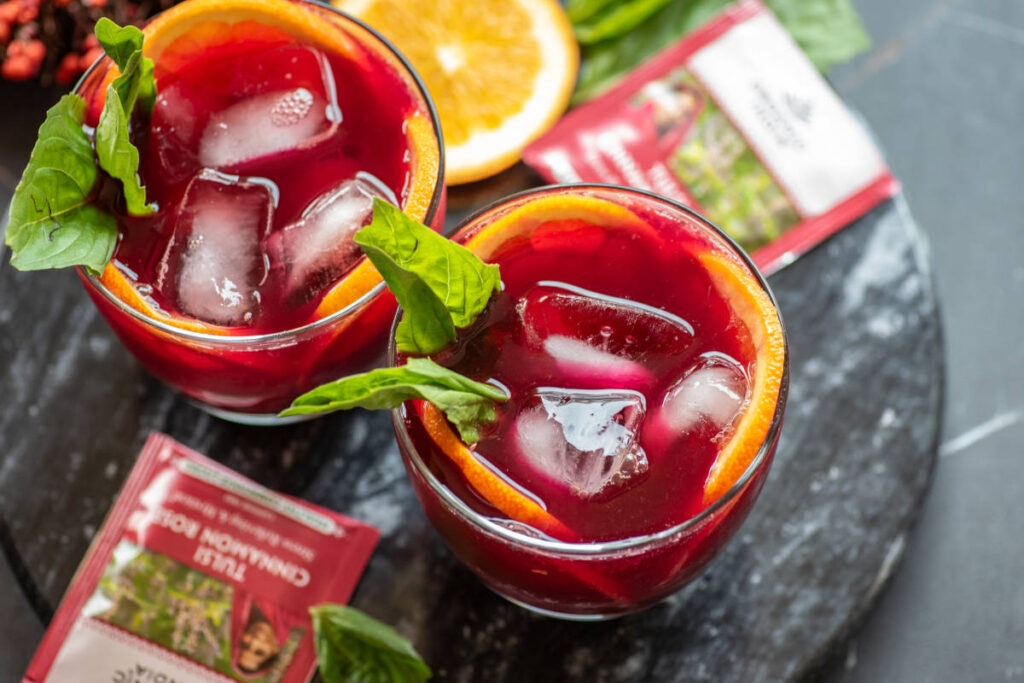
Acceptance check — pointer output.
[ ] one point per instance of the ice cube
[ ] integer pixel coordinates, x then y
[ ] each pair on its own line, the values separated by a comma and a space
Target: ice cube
598, 340
589, 365
281, 114
586, 440
214, 262
710, 396
317, 249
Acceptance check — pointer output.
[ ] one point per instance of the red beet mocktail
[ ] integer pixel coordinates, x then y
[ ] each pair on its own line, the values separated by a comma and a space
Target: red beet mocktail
265, 149
646, 367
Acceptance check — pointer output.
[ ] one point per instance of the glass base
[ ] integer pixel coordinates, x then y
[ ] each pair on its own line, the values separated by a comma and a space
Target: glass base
252, 419
565, 616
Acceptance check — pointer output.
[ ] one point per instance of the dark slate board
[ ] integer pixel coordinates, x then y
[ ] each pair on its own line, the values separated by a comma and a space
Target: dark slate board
854, 463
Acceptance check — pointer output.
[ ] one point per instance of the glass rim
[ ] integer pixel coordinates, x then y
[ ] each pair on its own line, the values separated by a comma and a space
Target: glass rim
590, 548
326, 321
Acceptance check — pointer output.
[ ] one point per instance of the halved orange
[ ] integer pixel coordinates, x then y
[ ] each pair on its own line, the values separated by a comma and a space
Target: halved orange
753, 307
500, 71
484, 480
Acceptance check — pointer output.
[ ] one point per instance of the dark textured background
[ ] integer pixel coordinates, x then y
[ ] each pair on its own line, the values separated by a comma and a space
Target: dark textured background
942, 91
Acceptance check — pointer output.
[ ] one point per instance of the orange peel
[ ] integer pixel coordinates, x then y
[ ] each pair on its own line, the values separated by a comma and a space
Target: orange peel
755, 310
512, 502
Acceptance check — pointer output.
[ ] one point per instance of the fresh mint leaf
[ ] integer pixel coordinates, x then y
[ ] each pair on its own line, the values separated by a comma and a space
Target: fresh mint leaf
114, 149
354, 647
829, 31
53, 223
424, 269
466, 403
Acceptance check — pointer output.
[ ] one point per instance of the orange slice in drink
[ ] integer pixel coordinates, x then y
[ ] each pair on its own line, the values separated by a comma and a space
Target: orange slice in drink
176, 35
423, 164
491, 486
754, 308
572, 217
500, 71
118, 285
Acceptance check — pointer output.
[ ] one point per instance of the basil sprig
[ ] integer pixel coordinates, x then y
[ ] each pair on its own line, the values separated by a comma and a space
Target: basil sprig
55, 221
441, 286
352, 646
466, 403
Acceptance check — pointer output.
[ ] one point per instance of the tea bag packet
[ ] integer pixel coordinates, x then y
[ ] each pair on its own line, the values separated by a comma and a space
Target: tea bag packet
198, 575
735, 122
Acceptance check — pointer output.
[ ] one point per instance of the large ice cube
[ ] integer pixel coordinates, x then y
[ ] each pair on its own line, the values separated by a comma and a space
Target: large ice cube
214, 262
585, 440
708, 397
317, 249
284, 111
598, 340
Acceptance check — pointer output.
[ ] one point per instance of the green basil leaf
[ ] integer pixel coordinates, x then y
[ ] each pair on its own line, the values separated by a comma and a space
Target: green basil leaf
581, 10
53, 223
416, 261
465, 402
119, 42
829, 31
622, 18
426, 325
115, 151
354, 647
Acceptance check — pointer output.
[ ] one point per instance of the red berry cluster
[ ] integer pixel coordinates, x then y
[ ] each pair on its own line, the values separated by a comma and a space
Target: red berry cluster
53, 40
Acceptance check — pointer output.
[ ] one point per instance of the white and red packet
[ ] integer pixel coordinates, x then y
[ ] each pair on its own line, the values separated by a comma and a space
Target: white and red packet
192, 555
734, 121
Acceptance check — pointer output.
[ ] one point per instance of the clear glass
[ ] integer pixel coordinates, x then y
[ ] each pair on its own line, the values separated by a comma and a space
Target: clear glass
249, 379
601, 580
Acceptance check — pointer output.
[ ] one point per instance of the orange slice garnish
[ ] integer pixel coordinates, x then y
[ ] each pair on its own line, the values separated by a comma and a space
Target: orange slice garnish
550, 214
118, 285
754, 309
423, 167
512, 502
500, 71
197, 27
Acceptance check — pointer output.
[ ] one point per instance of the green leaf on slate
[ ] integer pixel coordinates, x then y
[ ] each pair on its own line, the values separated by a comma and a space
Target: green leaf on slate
440, 285
352, 647
466, 403
53, 223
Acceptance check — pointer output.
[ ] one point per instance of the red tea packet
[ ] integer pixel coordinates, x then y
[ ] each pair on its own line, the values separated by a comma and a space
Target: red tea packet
200, 574
735, 122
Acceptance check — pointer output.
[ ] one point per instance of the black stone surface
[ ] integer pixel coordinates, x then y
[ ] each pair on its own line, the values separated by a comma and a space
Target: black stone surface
853, 465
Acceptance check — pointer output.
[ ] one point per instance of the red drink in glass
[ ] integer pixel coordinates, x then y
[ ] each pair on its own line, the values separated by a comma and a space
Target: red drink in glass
631, 371
263, 155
